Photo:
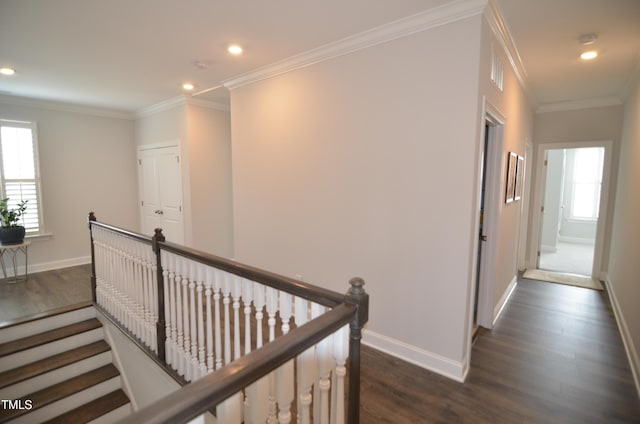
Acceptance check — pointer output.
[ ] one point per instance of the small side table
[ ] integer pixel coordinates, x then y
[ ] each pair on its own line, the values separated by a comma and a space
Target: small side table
13, 249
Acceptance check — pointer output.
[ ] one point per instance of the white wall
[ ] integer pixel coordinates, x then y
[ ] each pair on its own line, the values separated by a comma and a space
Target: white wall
582, 125
204, 136
624, 267
209, 141
514, 107
80, 150
552, 201
365, 165
168, 124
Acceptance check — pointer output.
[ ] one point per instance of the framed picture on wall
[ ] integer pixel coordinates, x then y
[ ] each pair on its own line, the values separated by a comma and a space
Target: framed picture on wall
512, 163
519, 178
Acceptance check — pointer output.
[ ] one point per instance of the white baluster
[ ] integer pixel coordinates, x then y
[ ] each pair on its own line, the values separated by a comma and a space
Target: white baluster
229, 411
272, 308
316, 311
193, 321
202, 364
167, 277
247, 298
340, 353
138, 291
179, 319
237, 336
186, 319
284, 374
208, 292
226, 300
174, 290
258, 392
152, 277
305, 366
219, 283
259, 301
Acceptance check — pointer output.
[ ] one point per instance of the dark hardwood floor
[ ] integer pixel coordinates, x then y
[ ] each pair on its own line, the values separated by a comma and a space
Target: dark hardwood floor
554, 356
44, 291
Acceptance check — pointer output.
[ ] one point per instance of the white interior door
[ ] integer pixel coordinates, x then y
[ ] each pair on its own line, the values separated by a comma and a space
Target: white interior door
161, 192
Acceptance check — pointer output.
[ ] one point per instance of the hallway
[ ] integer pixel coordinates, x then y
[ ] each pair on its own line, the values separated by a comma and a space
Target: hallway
555, 355
572, 258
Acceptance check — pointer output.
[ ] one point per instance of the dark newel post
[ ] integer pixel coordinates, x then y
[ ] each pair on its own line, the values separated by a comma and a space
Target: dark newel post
160, 325
92, 217
360, 298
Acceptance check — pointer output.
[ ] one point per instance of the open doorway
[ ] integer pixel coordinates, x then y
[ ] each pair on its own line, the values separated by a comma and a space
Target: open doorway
571, 209
572, 198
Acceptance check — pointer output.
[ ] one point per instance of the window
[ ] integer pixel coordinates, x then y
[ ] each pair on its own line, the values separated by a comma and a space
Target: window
19, 173
587, 179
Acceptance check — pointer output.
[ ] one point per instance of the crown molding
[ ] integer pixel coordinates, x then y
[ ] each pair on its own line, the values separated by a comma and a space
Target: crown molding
633, 77
208, 104
432, 18
579, 104
65, 107
181, 100
500, 29
161, 106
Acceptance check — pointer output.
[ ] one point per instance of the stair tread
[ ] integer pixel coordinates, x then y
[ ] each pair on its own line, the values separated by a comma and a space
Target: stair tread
51, 363
29, 342
64, 389
92, 410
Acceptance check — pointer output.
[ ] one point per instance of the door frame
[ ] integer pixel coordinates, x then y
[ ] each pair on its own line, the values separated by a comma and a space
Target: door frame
540, 186
493, 159
157, 146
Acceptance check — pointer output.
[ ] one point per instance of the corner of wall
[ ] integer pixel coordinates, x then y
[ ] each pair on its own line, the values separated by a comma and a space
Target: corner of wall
497, 310
630, 348
429, 360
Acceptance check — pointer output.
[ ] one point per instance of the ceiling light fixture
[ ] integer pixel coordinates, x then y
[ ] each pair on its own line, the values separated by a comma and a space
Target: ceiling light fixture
188, 86
235, 49
588, 40
7, 71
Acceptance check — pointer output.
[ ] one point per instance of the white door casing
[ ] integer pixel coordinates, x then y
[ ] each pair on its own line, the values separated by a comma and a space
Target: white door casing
160, 182
540, 183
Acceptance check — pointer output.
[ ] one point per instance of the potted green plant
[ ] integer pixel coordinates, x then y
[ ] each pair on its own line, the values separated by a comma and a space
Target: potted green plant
11, 232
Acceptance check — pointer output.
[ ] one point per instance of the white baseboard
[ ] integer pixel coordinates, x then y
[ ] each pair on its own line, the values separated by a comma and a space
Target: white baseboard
420, 357
47, 266
497, 310
632, 352
576, 240
546, 248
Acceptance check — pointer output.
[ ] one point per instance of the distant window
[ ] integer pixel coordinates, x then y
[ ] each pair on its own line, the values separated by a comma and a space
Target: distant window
587, 180
19, 171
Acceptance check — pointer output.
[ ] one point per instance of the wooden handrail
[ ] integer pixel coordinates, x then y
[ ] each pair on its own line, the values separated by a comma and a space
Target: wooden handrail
298, 288
192, 400
198, 397
131, 234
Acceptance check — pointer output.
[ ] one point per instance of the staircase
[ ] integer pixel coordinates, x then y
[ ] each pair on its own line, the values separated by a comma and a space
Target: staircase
57, 369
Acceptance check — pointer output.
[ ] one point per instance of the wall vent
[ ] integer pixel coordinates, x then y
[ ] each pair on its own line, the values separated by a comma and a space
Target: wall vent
497, 70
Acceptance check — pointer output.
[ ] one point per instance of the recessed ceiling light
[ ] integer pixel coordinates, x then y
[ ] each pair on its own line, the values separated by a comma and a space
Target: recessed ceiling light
7, 71
589, 55
188, 86
234, 49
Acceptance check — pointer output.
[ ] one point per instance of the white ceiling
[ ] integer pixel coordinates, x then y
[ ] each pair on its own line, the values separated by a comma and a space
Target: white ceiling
127, 55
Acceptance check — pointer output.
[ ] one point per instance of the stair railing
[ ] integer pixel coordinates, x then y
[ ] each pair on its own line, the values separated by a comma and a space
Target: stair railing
256, 346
